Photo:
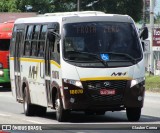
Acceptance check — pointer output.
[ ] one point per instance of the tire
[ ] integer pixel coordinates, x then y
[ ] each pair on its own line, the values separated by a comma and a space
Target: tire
133, 114
29, 109
61, 114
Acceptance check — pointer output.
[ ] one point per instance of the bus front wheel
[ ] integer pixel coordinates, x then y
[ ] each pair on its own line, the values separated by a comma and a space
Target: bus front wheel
61, 114
133, 114
29, 109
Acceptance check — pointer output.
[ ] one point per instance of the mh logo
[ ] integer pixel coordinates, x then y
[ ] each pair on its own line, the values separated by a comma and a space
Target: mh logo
119, 74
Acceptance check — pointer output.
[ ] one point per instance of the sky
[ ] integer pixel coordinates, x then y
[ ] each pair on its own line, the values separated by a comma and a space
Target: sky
157, 7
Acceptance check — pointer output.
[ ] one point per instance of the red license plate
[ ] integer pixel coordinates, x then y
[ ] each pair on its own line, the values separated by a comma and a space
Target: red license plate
107, 92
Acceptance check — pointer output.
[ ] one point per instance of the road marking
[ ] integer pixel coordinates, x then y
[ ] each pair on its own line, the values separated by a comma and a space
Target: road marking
151, 101
34, 121
5, 115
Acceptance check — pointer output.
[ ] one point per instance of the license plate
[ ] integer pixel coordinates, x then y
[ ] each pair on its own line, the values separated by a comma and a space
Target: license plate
107, 92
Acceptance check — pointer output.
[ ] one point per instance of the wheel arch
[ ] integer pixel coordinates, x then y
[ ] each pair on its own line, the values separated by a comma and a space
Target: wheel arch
25, 84
55, 90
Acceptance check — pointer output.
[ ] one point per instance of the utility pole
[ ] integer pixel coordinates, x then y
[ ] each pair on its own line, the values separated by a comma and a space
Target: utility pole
151, 29
78, 5
144, 11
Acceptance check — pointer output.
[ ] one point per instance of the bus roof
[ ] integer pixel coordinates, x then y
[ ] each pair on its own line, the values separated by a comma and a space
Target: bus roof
74, 13
92, 15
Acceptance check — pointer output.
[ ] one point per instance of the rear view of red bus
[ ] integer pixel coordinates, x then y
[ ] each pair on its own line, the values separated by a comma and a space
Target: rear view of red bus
5, 36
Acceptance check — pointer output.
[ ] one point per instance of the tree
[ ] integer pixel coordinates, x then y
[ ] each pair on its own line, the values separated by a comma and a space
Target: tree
64, 5
41, 6
130, 7
8, 6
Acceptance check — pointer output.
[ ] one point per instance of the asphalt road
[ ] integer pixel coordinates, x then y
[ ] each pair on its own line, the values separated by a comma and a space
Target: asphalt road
11, 113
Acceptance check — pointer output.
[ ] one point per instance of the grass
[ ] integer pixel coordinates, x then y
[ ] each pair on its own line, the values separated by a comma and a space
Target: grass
152, 83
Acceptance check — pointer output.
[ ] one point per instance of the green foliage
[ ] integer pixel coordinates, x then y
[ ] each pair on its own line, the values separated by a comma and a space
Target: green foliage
8, 6
130, 7
153, 83
42, 6
64, 5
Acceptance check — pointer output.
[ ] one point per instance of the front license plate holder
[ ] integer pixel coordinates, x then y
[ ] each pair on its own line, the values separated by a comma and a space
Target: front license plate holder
107, 92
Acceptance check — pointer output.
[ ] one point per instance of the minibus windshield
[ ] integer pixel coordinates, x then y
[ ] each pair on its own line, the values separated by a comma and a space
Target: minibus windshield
101, 38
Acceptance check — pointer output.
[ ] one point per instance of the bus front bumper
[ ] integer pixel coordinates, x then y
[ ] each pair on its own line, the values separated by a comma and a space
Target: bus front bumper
4, 76
131, 97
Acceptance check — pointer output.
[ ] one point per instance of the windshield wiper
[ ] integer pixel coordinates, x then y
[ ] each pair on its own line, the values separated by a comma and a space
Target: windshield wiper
95, 55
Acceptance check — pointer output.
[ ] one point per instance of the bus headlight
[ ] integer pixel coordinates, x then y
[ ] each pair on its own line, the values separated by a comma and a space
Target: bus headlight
136, 81
73, 82
1, 73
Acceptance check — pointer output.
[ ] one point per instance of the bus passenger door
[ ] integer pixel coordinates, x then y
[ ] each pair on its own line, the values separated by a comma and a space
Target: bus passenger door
48, 72
19, 38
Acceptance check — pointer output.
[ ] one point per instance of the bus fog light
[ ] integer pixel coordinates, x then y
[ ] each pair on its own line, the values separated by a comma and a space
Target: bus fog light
72, 100
140, 98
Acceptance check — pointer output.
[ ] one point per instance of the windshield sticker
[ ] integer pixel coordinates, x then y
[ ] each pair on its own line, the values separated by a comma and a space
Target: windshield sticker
104, 57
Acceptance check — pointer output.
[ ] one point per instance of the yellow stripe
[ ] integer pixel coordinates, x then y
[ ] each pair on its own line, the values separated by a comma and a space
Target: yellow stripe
55, 63
106, 78
11, 58
31, 60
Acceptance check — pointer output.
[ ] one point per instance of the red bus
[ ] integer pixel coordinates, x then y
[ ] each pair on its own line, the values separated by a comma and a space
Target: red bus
5, 36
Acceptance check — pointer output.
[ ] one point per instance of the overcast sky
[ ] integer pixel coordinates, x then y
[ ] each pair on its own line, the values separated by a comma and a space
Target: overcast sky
157, 7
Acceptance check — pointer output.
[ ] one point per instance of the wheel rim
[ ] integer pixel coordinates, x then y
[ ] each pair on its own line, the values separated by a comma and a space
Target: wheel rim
57, 104
25, 103
25, 106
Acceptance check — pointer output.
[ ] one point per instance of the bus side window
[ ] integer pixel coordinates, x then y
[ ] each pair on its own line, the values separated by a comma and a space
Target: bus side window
41, 42
43, 32
29, 32
35, 35
40, 49
36, 31
34, 48
27, 48
54, 48
28, 37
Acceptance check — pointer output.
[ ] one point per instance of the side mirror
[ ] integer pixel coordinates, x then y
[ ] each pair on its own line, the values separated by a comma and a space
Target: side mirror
144, 33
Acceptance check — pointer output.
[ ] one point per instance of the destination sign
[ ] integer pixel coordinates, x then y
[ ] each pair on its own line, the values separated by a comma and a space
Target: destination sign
88, 29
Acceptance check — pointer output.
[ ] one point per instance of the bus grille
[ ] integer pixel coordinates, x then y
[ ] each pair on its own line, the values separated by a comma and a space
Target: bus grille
94, 87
